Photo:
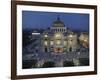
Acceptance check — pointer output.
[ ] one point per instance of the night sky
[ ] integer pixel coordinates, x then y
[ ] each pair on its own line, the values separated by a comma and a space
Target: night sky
73, 21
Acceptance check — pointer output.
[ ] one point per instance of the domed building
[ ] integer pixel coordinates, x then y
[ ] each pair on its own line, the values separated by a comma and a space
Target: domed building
57, 39
58, 26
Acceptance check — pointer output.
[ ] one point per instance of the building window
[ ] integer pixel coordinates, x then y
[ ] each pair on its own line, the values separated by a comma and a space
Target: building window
70, 49
58, 42
51, 43
45, 43
61, 30
46, 50
55, 30
57, 36
58, 29
65, 43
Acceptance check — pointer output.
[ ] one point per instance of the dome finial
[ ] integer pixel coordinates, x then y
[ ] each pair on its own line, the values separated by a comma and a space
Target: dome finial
58, 18
58, 22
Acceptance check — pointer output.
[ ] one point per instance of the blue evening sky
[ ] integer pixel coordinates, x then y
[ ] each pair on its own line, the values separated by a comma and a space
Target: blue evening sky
36, 19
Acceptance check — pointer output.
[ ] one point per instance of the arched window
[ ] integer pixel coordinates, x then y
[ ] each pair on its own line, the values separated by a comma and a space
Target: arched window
70, 49
58, 35
46, 50
51, 43
45, 43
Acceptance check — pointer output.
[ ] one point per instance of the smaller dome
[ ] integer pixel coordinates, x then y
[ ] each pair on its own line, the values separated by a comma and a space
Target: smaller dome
58, 23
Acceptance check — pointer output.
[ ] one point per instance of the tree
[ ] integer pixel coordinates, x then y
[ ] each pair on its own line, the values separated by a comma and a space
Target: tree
68, 63
48, 64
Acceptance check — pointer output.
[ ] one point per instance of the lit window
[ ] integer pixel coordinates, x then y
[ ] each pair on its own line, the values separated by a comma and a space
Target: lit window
45, 43
57, 36
58, 42
51, 43
65, 42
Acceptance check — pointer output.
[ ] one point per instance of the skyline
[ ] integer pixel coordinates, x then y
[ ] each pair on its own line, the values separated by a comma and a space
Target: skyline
73, 21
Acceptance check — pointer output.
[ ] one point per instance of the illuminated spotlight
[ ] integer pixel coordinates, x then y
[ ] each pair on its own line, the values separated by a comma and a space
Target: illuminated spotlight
58, 36
46, 35
70, 35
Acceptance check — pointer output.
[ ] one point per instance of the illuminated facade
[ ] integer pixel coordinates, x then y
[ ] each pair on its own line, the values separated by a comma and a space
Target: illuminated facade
72, 48
59, 39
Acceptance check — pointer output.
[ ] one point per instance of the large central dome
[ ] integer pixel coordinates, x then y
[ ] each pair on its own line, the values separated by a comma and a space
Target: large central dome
58, 23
